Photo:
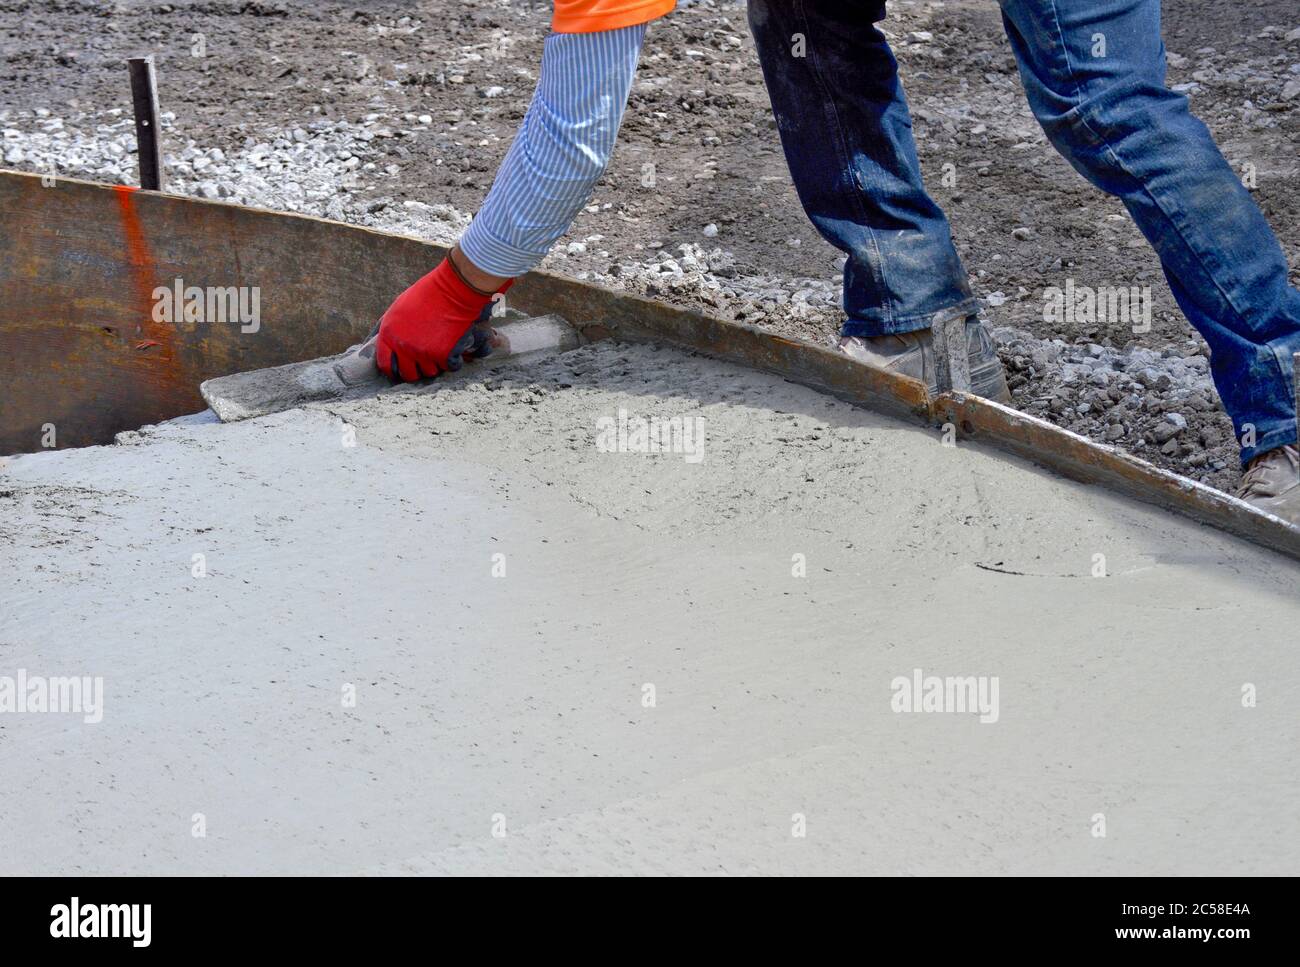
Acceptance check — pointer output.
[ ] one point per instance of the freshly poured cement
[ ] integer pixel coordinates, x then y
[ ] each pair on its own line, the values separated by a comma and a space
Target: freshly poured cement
649, 687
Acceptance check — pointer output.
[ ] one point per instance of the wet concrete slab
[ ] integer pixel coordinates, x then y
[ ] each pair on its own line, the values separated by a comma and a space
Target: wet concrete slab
484, 628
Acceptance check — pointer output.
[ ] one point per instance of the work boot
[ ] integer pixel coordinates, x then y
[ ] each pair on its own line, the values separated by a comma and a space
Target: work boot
912, 354
1272, 483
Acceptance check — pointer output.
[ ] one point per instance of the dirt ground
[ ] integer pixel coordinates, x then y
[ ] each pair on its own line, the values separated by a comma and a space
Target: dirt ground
439, 88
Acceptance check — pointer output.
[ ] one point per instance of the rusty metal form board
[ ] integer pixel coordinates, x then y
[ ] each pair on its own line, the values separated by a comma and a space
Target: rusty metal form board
81, 266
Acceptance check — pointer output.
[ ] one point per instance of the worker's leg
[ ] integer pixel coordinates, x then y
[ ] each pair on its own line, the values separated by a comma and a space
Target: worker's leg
847, 135
1094, 72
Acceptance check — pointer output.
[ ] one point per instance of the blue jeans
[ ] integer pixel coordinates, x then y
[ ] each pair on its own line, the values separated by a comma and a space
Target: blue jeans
847, 135
1094, 74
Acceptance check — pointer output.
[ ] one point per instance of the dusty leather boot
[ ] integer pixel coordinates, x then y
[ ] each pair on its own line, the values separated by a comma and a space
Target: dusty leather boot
1272, 483
913, 354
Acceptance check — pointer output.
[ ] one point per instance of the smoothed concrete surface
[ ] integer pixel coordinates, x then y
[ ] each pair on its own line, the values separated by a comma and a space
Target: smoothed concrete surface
516, 702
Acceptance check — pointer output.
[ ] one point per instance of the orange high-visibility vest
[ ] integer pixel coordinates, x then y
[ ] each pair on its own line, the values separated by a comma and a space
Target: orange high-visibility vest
590, 16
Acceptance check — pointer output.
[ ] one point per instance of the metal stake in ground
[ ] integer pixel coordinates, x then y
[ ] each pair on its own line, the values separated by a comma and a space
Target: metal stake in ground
144, 99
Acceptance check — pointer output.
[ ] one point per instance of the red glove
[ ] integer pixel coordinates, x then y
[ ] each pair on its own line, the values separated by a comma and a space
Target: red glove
427, 329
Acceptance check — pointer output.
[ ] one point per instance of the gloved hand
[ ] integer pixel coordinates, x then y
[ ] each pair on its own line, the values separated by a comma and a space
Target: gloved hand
432, 326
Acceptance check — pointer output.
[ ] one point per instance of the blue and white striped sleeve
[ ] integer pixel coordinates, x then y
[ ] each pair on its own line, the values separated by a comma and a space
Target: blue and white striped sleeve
560, 152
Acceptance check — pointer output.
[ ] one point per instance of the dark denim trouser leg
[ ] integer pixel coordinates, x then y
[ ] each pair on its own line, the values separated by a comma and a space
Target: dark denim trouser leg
847, 135
1094, 72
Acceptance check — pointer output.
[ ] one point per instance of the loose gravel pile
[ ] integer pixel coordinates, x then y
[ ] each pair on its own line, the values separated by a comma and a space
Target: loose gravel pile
1160, 405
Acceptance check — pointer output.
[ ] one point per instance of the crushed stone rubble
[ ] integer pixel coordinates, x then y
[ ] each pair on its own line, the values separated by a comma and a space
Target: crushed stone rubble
1154, 404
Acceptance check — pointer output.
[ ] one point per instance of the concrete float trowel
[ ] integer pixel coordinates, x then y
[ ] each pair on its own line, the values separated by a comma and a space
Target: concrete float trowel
513, 337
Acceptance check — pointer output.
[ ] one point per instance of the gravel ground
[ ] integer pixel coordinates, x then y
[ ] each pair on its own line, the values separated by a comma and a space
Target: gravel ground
395, 115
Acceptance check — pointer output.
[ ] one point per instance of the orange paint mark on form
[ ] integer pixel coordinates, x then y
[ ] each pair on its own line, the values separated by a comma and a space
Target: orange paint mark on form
143, 277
